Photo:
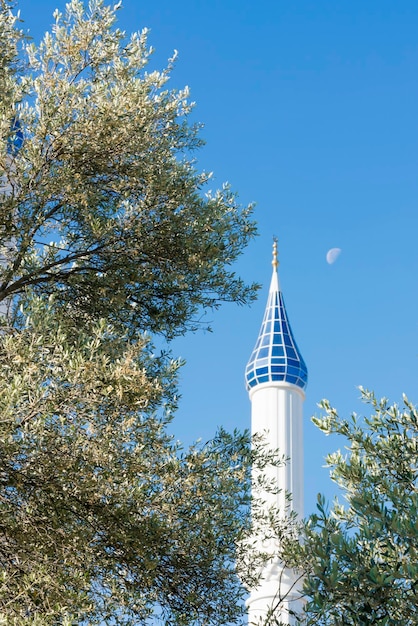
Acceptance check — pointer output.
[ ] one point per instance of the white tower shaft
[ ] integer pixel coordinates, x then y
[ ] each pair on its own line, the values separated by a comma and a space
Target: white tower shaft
277, 412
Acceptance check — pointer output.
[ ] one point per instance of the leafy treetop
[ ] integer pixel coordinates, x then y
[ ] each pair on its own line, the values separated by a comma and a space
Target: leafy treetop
102, 205
361, 557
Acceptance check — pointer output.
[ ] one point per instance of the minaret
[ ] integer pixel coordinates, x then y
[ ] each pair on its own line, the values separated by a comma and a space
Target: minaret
276, 376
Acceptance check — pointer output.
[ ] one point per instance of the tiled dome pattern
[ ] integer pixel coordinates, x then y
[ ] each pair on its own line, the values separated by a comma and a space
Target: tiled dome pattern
276, 357
15, 140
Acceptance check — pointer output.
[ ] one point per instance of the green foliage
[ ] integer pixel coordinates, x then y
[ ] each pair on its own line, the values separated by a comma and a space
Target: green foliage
108, 236
362, 556
104, 204
104, 517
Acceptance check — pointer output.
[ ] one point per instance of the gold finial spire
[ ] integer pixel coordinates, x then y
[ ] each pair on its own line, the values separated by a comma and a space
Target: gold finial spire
275, 262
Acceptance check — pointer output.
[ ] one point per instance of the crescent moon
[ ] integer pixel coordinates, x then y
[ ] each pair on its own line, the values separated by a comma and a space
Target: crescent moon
332, 255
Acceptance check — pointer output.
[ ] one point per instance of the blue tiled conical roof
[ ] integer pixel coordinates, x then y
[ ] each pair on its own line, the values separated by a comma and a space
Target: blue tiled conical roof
15, 140
276, 357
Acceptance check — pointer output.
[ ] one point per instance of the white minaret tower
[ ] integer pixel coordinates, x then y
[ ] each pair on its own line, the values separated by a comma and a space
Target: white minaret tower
276, 376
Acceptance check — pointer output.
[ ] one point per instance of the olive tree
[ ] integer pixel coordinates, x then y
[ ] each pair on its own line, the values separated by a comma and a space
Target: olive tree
105, 518
108, 236
361, 554
102, 202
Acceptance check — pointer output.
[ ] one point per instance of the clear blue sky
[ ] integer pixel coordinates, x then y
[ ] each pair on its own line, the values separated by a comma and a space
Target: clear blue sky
310, 110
